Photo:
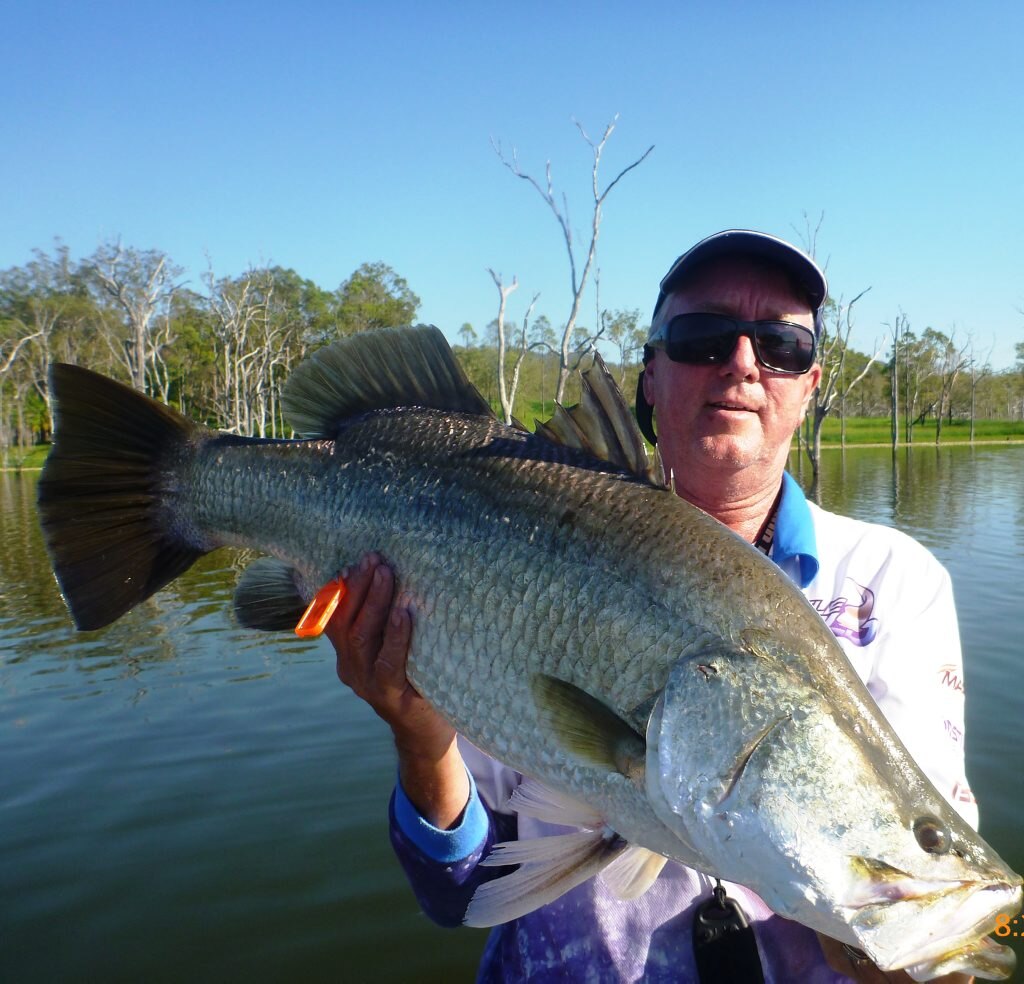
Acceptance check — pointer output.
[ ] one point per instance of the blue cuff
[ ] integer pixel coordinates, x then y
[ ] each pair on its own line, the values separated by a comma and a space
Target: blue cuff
444, 845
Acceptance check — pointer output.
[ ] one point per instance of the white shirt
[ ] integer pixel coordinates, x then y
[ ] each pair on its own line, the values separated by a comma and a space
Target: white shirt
890, 604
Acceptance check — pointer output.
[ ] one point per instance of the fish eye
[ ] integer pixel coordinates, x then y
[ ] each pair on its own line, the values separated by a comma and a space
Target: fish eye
932, 835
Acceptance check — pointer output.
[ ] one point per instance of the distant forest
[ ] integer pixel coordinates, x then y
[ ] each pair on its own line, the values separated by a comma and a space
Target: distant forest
221, 353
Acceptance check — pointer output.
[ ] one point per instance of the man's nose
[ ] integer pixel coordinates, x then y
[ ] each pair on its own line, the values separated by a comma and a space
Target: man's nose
743, 360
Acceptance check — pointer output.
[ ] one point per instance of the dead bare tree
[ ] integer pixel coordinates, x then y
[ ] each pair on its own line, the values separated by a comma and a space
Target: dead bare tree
47, 305
809, 237
9, 351
899, 329
508, 387
239, 307
140, 283
917, 366
503, 294
977, 375
578, 281
163, 339
951, 362
833, 348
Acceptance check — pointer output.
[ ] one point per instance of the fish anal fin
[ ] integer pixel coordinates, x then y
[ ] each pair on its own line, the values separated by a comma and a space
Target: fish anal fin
269, 597
633, 872
589, 729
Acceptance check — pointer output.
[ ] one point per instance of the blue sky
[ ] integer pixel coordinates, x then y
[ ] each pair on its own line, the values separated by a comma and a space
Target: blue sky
322, 135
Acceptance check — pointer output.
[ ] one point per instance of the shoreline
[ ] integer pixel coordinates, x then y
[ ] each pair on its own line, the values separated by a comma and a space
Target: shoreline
989, 442
1006, 442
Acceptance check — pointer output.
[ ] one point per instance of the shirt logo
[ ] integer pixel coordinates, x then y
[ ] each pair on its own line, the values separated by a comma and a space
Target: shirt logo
962, 793
950, 677
849, 616
955, 732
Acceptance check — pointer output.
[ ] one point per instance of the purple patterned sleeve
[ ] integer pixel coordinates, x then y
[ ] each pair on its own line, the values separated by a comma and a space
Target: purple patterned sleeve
443, 888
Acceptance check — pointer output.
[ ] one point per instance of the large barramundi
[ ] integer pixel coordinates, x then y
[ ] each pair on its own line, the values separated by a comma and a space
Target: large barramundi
573, 618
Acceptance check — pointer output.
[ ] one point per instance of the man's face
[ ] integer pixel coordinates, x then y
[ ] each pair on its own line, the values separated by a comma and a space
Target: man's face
735, 414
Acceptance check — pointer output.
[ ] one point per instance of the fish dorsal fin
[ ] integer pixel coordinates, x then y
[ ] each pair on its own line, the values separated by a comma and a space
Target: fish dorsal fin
377, 370
603, 425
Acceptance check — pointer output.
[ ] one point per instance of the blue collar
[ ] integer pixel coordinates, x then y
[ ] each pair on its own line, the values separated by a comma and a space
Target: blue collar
795, 547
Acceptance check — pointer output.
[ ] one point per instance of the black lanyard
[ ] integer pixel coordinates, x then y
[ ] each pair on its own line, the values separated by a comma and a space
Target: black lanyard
724, 946
764, 541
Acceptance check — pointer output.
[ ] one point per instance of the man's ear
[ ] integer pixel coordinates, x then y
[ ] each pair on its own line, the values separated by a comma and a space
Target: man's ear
647, 380
813, 379
644, 405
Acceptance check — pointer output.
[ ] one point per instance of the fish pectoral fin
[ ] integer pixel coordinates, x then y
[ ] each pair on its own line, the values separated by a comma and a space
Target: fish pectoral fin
589, 729
268, 596
633, 872
548, 868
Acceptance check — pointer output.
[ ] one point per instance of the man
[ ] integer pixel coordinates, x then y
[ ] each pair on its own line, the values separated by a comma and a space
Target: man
729, 371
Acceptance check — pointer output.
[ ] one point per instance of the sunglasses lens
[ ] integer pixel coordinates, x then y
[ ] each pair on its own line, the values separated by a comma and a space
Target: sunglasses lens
700, 339
708, 339
784, 346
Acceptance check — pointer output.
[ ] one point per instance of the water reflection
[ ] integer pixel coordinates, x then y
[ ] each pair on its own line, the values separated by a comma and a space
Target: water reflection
35, 624
934, 494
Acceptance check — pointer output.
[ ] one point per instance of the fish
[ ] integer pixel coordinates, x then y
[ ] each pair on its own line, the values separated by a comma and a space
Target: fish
660, 683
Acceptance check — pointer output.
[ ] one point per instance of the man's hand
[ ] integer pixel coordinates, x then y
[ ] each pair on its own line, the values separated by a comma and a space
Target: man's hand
370, 633
863, 970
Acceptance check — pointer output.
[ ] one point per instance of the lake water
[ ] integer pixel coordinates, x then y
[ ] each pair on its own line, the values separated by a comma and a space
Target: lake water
184, 800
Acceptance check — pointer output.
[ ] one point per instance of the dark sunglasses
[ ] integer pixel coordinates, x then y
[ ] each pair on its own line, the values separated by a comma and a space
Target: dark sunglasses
708, 339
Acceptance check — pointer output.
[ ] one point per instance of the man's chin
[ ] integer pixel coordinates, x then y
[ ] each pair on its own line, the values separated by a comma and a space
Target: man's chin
730, 450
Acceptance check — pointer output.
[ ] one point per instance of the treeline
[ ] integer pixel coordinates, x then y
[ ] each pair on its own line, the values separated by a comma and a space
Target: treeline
220, 353
221, 350
925, 377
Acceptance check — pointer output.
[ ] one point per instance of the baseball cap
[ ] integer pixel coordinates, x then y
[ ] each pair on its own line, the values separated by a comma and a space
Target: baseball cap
747, 242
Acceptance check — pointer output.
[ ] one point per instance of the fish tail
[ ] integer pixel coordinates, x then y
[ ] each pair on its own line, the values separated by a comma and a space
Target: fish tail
103, 491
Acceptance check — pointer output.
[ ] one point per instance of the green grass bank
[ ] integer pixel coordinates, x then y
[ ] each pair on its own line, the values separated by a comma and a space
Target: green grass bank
863, 431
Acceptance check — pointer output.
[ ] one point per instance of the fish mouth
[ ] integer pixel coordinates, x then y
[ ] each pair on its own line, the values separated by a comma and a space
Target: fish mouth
983, 957
970, 910
930, 893
879, 883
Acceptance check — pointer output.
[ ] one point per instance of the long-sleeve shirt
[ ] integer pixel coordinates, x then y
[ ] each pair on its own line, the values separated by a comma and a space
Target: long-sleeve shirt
890, 604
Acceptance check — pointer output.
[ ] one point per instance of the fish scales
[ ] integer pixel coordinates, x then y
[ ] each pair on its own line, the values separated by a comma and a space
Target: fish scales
459, 553
461, 525
463, 551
